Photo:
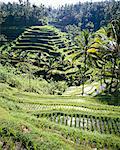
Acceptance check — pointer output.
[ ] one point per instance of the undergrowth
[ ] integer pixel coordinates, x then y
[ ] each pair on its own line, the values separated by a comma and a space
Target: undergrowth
28, 83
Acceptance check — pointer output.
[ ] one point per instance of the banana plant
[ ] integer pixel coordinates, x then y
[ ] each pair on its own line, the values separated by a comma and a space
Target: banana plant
104, 51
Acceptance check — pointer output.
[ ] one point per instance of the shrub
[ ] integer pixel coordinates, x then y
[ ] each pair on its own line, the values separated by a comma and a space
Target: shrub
57, 88
14, 82
3, 77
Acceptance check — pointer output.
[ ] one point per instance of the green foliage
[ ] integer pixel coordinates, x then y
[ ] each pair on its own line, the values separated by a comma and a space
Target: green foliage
27, 82
57, 121
58, 87
86, 15
17, 133
15, 17
45, 51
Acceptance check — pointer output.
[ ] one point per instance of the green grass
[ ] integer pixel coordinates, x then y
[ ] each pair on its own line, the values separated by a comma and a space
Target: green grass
31, 120
3, 114
30, 137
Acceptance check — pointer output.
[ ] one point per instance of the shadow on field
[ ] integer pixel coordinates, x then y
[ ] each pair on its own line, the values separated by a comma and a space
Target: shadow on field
109, 99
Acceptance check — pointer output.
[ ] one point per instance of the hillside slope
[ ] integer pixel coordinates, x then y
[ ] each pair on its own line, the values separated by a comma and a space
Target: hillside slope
40, 46
32, 121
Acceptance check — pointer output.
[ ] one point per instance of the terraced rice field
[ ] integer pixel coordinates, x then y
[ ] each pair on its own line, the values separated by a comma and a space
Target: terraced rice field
40, 38
79, 120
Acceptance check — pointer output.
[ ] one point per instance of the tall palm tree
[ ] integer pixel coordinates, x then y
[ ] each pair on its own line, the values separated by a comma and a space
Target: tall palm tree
83, 43
105, 50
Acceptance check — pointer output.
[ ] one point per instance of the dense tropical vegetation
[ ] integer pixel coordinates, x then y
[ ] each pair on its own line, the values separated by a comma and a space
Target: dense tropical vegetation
60, 76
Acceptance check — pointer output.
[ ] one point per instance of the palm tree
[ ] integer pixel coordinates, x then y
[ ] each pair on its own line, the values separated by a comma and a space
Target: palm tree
105, 50
83, 43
